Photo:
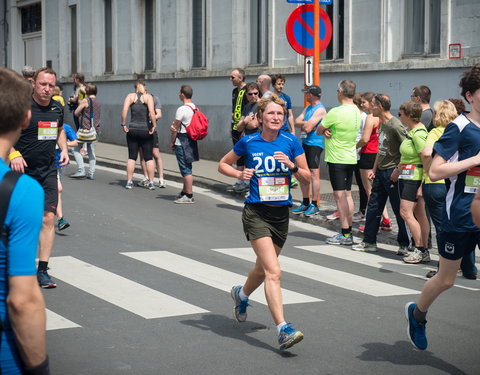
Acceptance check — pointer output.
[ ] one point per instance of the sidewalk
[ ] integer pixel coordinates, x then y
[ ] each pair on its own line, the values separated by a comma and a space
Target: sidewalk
206, 175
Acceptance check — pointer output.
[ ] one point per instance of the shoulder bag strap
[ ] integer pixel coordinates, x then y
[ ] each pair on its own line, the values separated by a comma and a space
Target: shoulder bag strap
6, 188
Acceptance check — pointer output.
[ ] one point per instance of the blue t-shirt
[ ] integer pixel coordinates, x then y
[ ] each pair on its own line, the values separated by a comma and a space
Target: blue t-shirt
271, 181
313, 139
24, 220
288, 101
460, 141
71, 136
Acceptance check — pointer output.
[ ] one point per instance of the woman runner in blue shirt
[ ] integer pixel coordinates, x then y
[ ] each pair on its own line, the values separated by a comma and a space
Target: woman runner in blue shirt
271, 157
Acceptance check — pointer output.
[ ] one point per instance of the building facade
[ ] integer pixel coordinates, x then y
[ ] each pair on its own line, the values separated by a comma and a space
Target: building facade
386, 46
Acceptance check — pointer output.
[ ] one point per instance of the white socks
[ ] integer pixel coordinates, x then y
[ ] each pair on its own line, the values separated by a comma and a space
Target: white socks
280, 326
242, 295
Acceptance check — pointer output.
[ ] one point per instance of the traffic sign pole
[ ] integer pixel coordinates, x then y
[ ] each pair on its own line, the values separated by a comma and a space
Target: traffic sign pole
316, 45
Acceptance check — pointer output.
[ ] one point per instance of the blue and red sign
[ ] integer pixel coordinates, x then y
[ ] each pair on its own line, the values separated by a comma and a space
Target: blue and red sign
299, 28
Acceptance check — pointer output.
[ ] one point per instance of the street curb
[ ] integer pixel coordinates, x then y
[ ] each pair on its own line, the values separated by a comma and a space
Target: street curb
221, 187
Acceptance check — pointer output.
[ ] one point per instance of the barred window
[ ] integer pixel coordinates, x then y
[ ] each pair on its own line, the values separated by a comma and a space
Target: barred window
31, 18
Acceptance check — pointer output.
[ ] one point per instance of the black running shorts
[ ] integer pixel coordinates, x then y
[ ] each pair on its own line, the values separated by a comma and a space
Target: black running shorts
341, 176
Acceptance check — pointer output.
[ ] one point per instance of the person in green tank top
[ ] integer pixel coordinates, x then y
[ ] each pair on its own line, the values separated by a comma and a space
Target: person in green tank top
412, 205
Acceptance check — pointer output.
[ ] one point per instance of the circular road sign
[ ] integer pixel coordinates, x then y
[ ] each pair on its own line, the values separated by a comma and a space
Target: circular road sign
299, 28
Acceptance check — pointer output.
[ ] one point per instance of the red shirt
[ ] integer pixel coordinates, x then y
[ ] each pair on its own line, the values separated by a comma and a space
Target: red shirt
372, 145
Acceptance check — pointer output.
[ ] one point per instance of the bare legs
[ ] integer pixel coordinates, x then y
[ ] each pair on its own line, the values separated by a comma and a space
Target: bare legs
443, 280
47, 236
414, 215
345, 206
267, 271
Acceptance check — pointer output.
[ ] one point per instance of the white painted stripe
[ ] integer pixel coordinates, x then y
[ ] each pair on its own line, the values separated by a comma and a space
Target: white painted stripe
326, 275
55, 321
387, 264
129, 295
209, 275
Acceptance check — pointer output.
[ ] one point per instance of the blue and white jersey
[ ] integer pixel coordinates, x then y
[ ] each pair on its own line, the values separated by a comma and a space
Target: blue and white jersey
270, 183
460, 141
288, 103
312, 138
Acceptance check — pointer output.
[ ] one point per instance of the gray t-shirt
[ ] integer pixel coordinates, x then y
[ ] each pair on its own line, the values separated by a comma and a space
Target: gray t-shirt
392, 134
156, 102
426, 119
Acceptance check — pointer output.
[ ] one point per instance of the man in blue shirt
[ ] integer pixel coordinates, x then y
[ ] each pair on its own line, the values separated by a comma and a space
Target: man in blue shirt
312, 143
22, 308
457, 160
278, 82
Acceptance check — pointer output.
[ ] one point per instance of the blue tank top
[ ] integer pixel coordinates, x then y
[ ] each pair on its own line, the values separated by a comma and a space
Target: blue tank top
312, 138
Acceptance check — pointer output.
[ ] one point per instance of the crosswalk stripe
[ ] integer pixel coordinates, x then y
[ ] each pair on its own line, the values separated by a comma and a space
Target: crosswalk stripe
384, 263
209, 275
129, 295
55, 321
326, 275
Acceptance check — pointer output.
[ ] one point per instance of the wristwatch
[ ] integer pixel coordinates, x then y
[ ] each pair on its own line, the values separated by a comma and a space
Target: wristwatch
294, 169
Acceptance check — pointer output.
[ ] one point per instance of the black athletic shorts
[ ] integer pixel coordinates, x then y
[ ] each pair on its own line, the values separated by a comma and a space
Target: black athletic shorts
139, 139
408, 189
312, 154
341, 176
50, 188
260, 220
366, 161
456, 245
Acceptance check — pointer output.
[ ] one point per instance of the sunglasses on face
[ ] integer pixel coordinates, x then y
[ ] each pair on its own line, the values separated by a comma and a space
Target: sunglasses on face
252, 93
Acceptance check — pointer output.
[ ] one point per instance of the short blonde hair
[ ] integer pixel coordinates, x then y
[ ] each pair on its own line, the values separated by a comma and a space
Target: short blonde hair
444, 113
262, 104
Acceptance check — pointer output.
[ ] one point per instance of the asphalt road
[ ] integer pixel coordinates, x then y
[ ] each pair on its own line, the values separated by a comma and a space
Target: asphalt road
143, 289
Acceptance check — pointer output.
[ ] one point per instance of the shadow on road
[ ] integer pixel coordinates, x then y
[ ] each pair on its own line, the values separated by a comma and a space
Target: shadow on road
226, 327
402, 353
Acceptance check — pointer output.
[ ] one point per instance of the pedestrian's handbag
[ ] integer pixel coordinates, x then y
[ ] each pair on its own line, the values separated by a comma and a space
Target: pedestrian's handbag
88, 135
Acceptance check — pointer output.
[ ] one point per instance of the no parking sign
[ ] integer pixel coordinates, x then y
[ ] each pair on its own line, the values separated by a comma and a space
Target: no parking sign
299, 29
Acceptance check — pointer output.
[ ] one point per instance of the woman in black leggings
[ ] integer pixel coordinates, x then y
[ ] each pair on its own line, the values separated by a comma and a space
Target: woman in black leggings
139, 131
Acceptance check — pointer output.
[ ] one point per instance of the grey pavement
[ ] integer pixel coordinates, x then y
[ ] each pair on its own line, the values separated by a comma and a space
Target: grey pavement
206, 175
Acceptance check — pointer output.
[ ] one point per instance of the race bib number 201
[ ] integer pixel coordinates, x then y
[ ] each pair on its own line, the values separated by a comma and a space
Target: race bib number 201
47, 130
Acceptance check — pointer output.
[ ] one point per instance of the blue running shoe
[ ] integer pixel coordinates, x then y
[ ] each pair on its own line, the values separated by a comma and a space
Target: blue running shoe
45, 281
62, 224
415, 330
299, 210
311, 210
240, 306
289, 336
340, 239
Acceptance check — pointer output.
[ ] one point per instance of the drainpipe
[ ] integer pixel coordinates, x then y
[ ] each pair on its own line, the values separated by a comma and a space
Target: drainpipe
5, 32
